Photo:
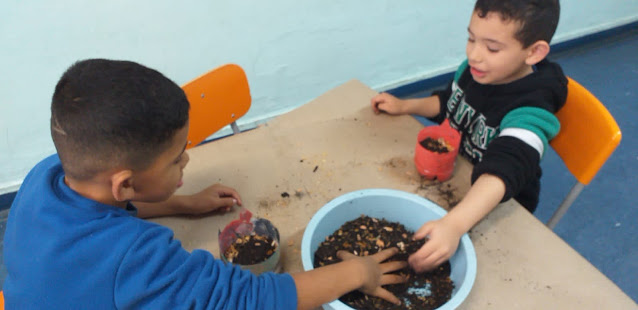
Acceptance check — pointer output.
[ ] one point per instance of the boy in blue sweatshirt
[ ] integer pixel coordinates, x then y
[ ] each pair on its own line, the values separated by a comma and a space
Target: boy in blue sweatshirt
502, 100
75, 238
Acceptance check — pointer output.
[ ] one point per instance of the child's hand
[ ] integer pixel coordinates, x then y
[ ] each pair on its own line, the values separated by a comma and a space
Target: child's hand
375, 275
443, 239
385, 102
215, 197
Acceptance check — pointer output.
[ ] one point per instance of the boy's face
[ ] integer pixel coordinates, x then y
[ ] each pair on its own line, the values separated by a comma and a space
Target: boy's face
494, 55
164, 176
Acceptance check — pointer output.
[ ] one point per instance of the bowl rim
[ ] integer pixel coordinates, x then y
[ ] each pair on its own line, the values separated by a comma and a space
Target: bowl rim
465, 242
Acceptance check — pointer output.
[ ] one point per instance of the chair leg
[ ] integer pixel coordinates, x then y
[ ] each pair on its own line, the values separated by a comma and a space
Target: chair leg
571, 196
235, 128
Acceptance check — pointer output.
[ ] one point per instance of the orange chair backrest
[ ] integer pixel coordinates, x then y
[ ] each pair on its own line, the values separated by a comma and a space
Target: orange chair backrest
217, 99
588, 133
1, 301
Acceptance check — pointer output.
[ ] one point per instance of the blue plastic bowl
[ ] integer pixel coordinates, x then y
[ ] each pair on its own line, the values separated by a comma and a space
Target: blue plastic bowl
396, 206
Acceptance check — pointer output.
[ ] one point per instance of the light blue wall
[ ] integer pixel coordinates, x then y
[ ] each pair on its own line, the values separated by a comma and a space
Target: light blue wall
292, 51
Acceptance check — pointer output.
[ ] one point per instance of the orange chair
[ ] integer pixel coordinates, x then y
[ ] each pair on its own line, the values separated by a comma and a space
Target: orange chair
1, 301
217, 98
588, 135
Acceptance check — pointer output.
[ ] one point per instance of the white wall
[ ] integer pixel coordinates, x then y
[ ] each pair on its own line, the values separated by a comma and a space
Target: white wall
292, 51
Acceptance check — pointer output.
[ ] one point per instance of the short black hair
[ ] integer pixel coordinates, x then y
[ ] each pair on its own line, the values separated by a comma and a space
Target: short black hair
107, 114
538, 18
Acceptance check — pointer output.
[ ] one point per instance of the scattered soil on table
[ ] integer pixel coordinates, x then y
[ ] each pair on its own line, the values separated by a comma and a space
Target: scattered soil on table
396, 162
446, 194
449, 195
439, 145
250, 250
366, 236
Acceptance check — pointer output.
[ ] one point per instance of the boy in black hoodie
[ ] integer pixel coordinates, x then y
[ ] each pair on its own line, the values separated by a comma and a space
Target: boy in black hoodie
502, 100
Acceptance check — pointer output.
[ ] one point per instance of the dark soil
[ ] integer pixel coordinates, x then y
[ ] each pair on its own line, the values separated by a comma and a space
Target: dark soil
250, 250
439, 145
365, 236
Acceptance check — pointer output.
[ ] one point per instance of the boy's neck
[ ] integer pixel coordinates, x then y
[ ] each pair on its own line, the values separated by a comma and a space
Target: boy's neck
524, 71
95, 189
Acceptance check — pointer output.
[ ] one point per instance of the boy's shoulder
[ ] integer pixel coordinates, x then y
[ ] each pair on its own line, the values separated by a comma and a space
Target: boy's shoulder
40, 177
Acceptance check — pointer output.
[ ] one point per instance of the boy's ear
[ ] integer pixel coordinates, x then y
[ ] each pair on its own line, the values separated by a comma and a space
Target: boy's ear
537, 52
122, 185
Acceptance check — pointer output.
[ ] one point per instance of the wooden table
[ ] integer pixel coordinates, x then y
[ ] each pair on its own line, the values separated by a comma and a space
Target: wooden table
334, 145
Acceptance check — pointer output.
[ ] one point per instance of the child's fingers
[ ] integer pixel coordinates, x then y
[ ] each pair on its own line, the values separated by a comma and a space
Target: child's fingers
419, 260
227, 203
425, 259
375, 105
423, 231
393, 266
385, 294
378, 100
439, 262
225, 191
392, 279
385, 254
343, 255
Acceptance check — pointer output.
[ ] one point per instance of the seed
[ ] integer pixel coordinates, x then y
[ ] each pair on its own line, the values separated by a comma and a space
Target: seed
401, 245
388, 228
380, 243
363, 227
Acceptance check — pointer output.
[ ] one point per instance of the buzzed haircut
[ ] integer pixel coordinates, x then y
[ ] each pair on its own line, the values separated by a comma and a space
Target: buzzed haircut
538, 18
109, 114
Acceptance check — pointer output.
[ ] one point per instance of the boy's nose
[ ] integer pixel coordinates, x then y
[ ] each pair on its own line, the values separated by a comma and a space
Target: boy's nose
473, 55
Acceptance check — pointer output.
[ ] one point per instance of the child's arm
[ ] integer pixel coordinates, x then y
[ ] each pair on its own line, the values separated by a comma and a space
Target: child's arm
367, 274
214, 197
444, 234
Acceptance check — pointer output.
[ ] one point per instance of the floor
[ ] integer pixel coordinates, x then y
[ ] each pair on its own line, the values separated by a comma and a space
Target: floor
602, 224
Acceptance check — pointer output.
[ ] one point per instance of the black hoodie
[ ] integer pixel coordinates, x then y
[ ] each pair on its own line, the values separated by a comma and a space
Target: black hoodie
484, 107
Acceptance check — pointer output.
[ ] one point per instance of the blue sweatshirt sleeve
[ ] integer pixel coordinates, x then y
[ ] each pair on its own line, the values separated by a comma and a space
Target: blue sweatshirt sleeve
157, 273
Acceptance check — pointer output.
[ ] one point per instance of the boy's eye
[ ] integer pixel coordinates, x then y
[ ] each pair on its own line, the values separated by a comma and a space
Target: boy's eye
492, 50
178, 159
470, 40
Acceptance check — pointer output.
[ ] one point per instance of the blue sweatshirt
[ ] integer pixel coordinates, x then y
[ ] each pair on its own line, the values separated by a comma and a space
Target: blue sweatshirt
64, 251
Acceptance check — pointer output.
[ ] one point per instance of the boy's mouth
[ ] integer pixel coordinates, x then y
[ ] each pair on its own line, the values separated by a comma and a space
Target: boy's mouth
180, 183
477, 73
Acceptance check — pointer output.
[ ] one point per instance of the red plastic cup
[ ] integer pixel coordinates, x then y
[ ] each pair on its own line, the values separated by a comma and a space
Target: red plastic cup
434, 165
247, 225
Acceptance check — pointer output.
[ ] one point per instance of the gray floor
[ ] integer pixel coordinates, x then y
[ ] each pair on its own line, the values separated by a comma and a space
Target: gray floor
602, 224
